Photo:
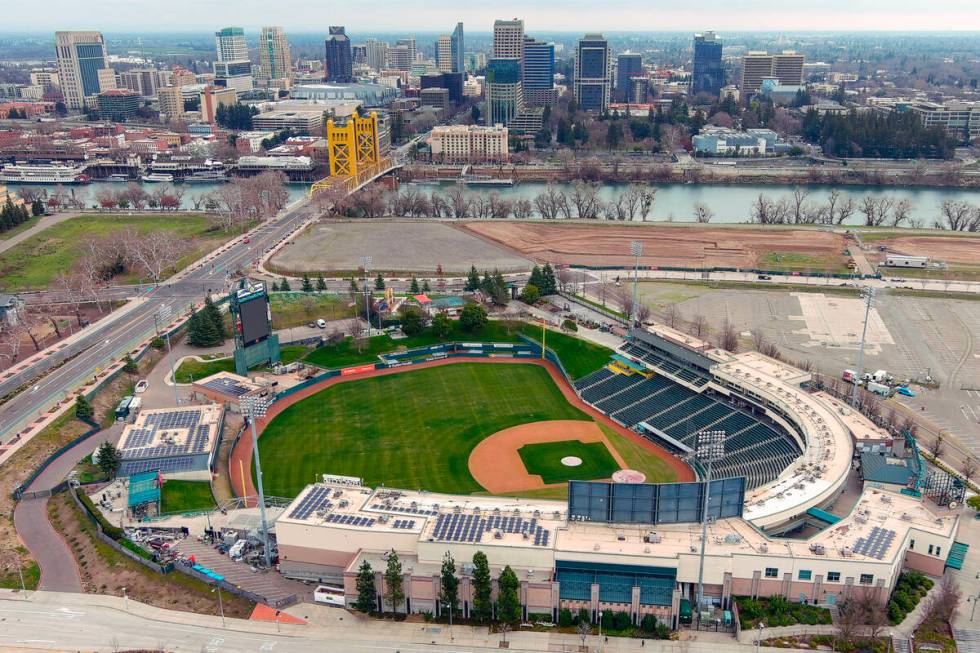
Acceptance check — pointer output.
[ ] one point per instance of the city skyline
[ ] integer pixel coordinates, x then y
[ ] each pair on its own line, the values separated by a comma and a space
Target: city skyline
568, 15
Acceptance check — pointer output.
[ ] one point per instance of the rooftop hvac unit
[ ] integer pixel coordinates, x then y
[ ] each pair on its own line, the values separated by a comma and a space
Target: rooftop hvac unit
556, 514
344, 503
653, 538
846, 552
595, 547
620, 537
861, 519
496, 511
382, 518
476, 511
337, 494
817, 549
906, 516
415, 504
517, 513
525, 534
537, 513
886, 499
497, 535
457, 509
764, 547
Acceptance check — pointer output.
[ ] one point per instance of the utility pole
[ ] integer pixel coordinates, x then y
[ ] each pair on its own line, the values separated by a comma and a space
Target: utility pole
711, 448
868, 294
163, 316
636, 249
254, 407
366, 265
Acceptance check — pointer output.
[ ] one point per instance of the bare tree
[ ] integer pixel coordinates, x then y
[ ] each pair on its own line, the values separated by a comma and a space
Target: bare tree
459, 203
698, 325
585, 198
523, 209
900, 213
875, 613
846, 210
728, 339
969, 468
702, 213
798, 205
671, 315
875, 209
153, 253
850, 617
939, 444
957, 215
766, 211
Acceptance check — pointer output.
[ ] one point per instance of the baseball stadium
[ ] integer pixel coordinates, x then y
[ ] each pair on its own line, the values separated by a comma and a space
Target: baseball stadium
593, 489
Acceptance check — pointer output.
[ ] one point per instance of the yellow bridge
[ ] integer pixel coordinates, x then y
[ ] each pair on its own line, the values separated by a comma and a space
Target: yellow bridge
355, 154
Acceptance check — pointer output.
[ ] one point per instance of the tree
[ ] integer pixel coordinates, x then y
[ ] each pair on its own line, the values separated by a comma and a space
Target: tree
412, 321
482, 588
202, 332
321, 284
109, 460
584, 629
729, 337
850, 616
275, 286
284, 285
379, 282
449, 584
366, 593
213, 314
413, 287
472, 280
508, 599
702, 213
549, 284
530, 294
307, 284
475, 114
394, 581
425, 286
129, 365
442, 326
473, 318
83, 409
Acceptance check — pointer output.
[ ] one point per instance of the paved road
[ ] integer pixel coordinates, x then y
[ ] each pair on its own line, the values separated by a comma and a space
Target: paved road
109, 339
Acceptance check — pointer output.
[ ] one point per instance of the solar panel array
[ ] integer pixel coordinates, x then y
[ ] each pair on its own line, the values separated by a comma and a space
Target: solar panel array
349, 520
403, 523
175, 464
412, 511
317, 499
876, 544
139, 442
228, 386
471, 528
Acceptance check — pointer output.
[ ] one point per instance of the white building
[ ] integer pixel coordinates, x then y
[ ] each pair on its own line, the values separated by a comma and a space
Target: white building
469, 143
233, 69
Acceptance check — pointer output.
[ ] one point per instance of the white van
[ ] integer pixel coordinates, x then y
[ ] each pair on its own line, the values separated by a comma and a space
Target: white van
321, 323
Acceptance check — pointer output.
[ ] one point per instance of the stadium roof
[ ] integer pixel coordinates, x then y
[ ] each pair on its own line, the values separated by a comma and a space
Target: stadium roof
885, 469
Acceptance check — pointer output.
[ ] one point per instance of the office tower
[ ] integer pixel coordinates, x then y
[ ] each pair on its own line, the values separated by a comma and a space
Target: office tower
456, 49
409, 44
755, 66
275, 60
452, 82
708, 74
233, 69
539, 73
399, 57
171, 101
107, 80
340, 62
81, 55
592, 75
144, 81
444, 53
628, 66
787, 67
508, 39
358, 53
503, 91
375, 54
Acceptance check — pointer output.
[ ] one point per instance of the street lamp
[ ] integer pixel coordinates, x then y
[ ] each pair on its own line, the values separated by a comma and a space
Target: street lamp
759, 626
221, 607
601, 613
973, 599
125, 600
636, 249
868, 294
163, 317
254, 407
711, 448
366, 265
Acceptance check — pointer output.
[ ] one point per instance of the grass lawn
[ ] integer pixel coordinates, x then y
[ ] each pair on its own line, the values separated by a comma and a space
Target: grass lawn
292, 309
579, 357
36, 261
185, 496
795, 261
410, 430
544, 459
639, 458
191, 370
10, 233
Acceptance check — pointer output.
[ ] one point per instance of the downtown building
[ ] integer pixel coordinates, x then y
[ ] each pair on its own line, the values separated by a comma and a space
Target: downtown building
708, 73
786, 67
233, 69
629, 66
81, 56
275, 59
469, 143
504, 89
340, 60
593, 83
539, 73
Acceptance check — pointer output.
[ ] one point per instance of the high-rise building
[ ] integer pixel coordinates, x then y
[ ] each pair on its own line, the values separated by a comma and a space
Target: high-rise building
144, 81
171, 100
592, 73
708, 74
213, 97
508, 39
399, 57
452, 82
412, 48
444, 53
787, 67
539, 73
628, 66
230, 44
233, 69
81, 55
340, 61
503, 91
118, 105
456, 46
46, 79
275, 60
376, 54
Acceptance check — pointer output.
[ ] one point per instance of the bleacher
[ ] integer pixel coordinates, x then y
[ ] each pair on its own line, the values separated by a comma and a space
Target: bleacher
754, 449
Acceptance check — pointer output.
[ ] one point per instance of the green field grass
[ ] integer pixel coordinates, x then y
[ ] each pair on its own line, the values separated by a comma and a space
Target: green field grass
36, 261
639, 458
410, 430
579, 357
292, 309
544, 459
797, 262
191, 370
10, 233
185, 496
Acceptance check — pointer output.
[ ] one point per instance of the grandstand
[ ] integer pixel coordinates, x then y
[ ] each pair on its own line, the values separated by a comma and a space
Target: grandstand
179, 442
673, 398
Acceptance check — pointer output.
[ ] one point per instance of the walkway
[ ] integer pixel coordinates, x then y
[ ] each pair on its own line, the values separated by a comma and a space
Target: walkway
43, 223
965, 629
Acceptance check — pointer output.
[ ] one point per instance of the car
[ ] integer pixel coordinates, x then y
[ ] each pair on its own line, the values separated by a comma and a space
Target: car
765, 277
246, 240
321, 323
141, 386
905, 391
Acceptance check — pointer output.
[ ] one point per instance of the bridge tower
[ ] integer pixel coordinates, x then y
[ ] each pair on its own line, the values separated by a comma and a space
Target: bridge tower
353, 146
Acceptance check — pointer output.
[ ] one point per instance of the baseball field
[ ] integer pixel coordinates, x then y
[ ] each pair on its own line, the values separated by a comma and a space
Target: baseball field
455, 427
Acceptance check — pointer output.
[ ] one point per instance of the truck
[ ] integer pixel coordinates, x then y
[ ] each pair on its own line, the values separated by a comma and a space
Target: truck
122, 410
330, 595
879, 389
900, 261
880, 376
849, 376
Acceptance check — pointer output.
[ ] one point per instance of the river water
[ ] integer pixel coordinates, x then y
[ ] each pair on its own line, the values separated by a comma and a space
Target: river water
733, 203
87, 192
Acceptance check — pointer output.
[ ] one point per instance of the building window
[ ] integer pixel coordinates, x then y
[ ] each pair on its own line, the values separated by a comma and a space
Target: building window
772, 572
867, 579
939, 550
930, 549
833, 576
805, 574
911, 544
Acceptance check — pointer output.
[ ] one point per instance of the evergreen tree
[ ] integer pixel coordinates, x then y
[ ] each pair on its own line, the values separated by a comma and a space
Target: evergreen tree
284, 286
275, 286
500, 294
213, 314
321, 284
109, 460
394, 581
425, 286
449, 585
202, 332
486, 284
482, 588
307, 284
412, 321
83, 409
549, 285
508, 600
129, 365
472, 318
366, 593
472, 280
379, 282
536, 279
414, 287
442, 326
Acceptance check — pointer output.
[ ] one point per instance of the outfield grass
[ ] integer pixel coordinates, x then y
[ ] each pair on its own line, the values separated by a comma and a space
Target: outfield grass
185, 496
579, 357
36, 261
409, 430
191, 370
639, 458
544, 459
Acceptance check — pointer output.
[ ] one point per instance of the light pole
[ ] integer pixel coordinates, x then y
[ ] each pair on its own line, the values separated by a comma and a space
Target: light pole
636, 249
601, 613
125, 600
254, 407
711, 448
20, 572
366, 266
759, 626
868, 296
221, 607
163, 316
973, 599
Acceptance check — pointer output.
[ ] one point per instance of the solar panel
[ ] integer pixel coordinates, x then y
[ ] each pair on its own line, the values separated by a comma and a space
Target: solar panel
228, 386
316, 499
876, 544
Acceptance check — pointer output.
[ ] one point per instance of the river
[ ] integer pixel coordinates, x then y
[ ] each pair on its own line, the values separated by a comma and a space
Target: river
87, 192
733, 203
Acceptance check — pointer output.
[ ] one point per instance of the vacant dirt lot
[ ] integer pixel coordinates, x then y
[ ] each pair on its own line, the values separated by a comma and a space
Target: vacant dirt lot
394, 246
663, 245
960, 250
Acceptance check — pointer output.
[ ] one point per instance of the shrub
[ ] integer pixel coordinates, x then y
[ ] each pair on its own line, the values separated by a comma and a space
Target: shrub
622, 621
112, 531
648, 624
583, 615
608, 619
663, 632
569, 325
564, 617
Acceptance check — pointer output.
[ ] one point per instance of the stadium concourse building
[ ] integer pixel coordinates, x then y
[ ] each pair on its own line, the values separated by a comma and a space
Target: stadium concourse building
179, 443
635, 547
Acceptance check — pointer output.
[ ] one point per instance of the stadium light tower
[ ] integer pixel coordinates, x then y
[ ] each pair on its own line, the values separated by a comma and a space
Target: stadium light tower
868, 294
255, 407
366, 262
636, 249
711, 448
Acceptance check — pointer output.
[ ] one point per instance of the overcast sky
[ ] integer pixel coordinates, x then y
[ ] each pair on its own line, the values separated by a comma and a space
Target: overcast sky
539, 15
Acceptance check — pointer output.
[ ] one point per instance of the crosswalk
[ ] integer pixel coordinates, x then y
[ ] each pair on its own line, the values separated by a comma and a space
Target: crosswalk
967, 641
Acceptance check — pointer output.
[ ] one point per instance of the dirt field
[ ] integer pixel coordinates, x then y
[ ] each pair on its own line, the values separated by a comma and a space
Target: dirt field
663, 245
959, 250
394, 246
497, 466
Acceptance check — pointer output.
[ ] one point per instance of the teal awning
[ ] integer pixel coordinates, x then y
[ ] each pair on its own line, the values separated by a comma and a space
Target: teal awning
633, 365
956, 555
823, 515
144, 488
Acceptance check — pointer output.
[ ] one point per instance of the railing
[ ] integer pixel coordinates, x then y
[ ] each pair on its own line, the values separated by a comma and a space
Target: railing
352, 183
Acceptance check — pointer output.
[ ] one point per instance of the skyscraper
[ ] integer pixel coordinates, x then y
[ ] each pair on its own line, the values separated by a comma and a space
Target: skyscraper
592, 73
340, 62
376, 54
412, 48
233, 69
444, 53
539, 73
81, 55
708, 75
456, 49
508, 39
628, 66
787, 67
275, 61
504, 91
